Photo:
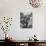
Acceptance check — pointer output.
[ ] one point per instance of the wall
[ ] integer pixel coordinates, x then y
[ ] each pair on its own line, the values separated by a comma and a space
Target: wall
12, 8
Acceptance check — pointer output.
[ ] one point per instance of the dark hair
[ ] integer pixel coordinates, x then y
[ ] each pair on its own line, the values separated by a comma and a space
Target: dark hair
34, 35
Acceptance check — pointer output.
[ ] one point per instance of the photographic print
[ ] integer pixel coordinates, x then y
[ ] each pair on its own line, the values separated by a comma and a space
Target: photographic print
36, 3
25, 20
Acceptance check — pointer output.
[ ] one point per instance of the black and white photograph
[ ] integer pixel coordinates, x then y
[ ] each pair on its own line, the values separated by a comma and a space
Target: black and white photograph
26, 20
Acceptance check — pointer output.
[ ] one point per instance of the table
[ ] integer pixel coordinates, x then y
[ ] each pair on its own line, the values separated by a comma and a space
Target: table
28, 43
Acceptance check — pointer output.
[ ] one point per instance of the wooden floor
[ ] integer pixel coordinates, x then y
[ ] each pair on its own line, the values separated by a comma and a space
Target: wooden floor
25, 43
3, 43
